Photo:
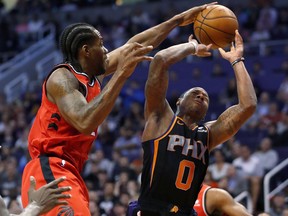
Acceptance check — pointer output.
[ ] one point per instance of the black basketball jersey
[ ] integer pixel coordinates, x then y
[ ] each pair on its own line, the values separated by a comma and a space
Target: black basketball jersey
174, 167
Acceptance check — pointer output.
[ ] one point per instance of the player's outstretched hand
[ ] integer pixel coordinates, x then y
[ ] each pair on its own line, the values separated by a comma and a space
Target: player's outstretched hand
201, 50
236, 49
131, 55
49, 195
187, 17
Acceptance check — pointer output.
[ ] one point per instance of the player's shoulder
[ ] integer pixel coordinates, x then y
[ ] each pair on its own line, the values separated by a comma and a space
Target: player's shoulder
61, 80
60, 74
219, 195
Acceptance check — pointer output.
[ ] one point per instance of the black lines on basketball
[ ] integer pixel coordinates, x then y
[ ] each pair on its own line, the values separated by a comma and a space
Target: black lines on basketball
216, 25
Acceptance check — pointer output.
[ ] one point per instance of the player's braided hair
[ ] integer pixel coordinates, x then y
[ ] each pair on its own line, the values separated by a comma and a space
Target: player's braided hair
72, 38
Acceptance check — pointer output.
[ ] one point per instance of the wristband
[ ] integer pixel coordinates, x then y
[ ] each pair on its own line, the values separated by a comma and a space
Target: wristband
195, 46
237, 60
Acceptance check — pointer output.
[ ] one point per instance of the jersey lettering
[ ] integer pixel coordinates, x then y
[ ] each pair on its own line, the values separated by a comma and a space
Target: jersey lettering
187, 145
185, 164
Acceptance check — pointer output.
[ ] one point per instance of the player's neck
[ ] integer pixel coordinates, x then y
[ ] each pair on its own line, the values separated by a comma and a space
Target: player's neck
189, 121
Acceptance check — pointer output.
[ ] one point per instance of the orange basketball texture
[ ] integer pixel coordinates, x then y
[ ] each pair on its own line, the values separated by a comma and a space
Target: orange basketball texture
216, 25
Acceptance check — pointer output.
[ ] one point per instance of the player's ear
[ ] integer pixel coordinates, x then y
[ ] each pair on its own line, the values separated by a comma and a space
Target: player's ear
85, 50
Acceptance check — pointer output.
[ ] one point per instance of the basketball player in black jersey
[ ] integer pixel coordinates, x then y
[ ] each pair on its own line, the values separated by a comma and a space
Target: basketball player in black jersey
176, 147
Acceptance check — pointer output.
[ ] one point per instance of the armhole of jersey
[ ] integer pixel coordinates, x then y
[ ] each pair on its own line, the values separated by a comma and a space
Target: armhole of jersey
208, 137
204, 201
86, 90
100, 84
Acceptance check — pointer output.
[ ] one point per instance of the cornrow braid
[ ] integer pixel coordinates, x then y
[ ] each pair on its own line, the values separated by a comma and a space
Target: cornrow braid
72, 38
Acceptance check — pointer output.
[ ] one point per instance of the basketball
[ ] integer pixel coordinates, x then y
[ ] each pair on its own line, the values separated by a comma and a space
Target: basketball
215, 25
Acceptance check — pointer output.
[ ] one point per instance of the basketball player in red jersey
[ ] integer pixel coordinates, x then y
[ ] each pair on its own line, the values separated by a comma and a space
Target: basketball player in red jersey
73, 105
216, 201
176, 147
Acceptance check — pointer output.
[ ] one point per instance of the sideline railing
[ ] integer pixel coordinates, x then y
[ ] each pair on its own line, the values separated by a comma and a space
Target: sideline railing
245, 195
267, 178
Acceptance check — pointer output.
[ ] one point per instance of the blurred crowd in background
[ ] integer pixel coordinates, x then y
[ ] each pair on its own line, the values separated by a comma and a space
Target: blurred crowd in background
112, 173
20, 25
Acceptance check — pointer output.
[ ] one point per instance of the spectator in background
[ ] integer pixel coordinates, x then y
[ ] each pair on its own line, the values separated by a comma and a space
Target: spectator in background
252, 170
283, 67
219, 167
107, 199
235, 183
102, 180
257, 69
10, 179
272, 117
119, 209
91, 175
196, 74
278, 205
267, 156
103, 163
282, 92
262, 109
218, 71
121, 183
35, 26
268, 17
229, 96
134, 118
2, 7
132, 92
209, 180
280, 30
260, 34
124, 198
133, 189
128, 143
231, 149
107, 134
271, 132
123, 164
263, 104
282, 131
22, 141
94, 209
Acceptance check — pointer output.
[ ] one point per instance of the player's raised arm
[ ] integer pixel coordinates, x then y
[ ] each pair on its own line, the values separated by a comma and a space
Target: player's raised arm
230, 121
156, 106
157, 82
156, 34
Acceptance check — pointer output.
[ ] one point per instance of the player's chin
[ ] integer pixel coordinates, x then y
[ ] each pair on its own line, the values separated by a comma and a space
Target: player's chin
101, 71
199, 115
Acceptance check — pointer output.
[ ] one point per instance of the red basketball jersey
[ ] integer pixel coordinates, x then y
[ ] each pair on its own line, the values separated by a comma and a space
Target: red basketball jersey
51, 135
200, 204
